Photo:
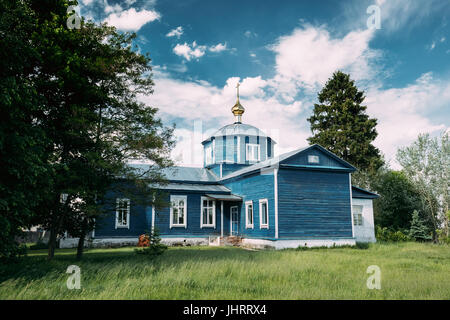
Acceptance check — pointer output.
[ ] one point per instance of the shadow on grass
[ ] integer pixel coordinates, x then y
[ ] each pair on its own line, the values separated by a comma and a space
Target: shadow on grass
35, 266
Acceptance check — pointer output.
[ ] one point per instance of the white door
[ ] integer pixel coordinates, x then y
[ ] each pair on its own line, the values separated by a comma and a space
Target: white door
234, 221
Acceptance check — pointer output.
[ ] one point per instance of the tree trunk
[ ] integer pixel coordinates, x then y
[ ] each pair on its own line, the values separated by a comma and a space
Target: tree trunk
80, 247
51, 244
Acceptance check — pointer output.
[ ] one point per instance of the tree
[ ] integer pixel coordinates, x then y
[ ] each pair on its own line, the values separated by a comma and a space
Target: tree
91, 78
398, 199
24, 171
76, 105
427, 164
418, 230
339, 123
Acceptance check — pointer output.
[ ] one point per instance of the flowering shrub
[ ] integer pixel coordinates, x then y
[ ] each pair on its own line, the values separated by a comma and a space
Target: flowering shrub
150, 244
144, 240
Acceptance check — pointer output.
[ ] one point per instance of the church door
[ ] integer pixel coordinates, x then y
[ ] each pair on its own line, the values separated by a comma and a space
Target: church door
234, 221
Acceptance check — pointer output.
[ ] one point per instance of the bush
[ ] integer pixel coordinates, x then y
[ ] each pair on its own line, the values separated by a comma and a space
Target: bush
150, 244
384, 234
442, 237
39, 245
12, 251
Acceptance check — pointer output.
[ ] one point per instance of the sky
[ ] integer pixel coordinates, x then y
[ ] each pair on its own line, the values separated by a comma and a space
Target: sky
282, 53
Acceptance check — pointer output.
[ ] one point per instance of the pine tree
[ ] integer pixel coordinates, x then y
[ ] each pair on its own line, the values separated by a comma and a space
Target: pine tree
418, 230
339, 123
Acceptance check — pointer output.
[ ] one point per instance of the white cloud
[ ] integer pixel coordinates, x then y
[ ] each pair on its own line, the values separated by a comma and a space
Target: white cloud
177, 32
115, 8
309, 56
195, 51
401, 14
131, 20
250, 34
402, 112
218, 47
189, 51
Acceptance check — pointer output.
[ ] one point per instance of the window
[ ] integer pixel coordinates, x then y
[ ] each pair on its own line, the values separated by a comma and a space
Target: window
249, 214
208, 155
208, 216
122, 213
178, 211
252, 152
263, 214
313, 159
357, 215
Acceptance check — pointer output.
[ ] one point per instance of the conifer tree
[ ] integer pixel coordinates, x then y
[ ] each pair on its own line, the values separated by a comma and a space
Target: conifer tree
340, 124
418, 230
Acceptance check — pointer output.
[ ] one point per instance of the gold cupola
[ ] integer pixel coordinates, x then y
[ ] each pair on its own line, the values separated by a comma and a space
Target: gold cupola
238, 109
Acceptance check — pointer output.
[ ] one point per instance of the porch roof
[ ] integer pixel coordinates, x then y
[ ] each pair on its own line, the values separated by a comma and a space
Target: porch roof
225, 197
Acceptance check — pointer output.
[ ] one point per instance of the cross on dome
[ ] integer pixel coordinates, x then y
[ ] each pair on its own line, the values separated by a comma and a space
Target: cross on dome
238, 109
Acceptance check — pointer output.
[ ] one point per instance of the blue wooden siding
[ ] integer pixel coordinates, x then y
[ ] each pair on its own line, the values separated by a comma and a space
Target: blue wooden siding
324, 159
162, 218
313, 204
254, 187
228, 168
140, 219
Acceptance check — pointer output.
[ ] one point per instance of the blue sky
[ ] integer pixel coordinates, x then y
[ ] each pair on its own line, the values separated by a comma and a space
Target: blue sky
283, 52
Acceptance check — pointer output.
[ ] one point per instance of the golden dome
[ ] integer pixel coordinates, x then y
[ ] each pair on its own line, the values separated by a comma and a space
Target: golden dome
238, 109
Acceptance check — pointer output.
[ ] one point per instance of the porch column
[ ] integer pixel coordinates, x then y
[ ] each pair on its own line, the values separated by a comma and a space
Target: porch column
221, 218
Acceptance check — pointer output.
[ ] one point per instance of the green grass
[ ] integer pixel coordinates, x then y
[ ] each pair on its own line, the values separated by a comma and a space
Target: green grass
409, 271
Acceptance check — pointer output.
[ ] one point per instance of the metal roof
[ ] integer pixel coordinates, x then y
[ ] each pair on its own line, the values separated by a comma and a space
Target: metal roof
192, 187
238, 129
191, 174
225, 197
358, 192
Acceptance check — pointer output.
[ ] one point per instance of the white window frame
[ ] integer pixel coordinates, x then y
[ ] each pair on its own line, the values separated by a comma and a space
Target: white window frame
261, 225
178, 198
247, 153
358, 218
313, 159
209, 157
210, 225
249, 225
121, 225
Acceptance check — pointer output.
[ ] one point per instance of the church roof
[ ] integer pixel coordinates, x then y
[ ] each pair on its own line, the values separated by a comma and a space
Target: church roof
237, 129
183, 174
358, 192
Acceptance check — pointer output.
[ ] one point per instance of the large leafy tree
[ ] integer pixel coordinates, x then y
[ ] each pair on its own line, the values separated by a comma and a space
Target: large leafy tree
91, 78
427, 164
88, 80
25, 176
398, 200
340, 124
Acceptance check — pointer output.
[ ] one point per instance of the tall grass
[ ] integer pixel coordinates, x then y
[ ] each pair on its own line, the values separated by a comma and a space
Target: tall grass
409, 271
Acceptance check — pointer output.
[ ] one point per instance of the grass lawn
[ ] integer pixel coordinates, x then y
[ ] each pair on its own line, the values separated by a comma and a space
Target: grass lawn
409, 271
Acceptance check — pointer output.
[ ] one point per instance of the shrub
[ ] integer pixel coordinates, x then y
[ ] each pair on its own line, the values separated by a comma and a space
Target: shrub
39, 245
442, 237
150, 244
384, 234
12, 251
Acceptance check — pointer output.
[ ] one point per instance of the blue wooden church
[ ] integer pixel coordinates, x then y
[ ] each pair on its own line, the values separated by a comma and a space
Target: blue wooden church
300, 198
